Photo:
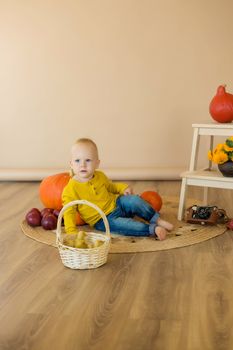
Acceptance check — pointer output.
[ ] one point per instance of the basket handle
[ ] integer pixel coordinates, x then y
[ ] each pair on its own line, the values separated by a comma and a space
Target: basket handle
82, 201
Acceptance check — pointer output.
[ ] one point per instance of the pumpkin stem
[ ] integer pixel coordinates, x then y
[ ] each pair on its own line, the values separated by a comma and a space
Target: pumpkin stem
221, 90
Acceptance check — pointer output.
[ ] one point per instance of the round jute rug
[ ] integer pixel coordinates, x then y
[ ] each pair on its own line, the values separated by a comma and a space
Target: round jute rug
183, 235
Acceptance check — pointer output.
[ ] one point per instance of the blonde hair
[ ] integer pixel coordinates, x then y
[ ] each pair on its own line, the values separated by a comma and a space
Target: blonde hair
88, 141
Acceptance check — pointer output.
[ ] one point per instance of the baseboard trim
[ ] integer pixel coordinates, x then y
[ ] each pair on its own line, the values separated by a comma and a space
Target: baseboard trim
153, 173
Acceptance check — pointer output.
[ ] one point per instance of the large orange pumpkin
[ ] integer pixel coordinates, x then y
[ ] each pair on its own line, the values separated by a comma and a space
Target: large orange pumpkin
153, 198
50, 192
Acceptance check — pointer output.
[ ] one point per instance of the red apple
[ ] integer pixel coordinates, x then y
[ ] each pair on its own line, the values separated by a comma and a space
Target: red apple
49, 222
56, 212
34, 210
46, 211
33, 218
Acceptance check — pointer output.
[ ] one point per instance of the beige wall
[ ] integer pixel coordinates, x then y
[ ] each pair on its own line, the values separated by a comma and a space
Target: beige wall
132, 75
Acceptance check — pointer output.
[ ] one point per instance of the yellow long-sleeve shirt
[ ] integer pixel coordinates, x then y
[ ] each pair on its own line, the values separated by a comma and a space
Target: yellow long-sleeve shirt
99, 190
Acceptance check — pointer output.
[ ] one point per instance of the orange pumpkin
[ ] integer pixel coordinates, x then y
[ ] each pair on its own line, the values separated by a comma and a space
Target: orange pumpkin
221, 106
153, 198
50, 192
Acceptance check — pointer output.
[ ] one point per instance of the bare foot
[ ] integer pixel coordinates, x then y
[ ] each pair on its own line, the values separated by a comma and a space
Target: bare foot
165, 224
160, 232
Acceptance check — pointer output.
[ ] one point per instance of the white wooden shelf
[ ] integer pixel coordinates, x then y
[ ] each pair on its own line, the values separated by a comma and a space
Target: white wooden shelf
206, 174
204, 177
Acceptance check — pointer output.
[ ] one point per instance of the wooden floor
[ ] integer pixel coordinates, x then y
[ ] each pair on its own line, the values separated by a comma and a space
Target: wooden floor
180, 299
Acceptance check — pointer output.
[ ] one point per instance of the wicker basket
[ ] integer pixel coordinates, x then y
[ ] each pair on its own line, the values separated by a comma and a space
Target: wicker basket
88, 258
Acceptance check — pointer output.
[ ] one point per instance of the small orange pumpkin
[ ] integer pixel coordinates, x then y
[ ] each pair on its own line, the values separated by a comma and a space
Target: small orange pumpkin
153, 198
79, 220
221, 106
50, 192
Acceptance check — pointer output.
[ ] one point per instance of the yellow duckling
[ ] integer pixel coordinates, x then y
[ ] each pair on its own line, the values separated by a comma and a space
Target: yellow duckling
98, 243
80, 243
69, 242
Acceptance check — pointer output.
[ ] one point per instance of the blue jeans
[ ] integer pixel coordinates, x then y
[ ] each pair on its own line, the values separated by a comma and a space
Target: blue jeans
121, 218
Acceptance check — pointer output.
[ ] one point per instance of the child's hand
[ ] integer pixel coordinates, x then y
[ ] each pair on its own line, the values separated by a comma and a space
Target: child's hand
128, 191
